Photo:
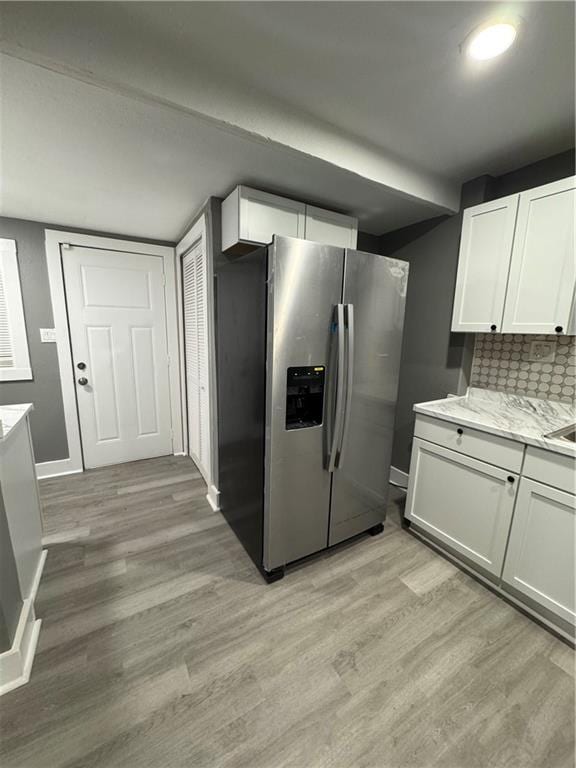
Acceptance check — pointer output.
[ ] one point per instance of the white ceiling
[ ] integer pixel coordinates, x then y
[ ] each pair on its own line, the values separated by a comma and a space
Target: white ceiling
139, 111
80, 155
391, 73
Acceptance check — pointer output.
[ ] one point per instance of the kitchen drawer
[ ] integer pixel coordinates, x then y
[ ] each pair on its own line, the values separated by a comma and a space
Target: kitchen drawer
471, 442
550, 468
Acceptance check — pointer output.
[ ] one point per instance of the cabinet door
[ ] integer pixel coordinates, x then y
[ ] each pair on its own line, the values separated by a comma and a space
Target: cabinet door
483, 264
540, 558
462, 502
330, 228
542, 272
263, 215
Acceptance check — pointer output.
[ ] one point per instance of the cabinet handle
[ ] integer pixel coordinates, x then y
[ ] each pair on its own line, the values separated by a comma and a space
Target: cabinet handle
558, 329
492, 327
460, 431
510, 479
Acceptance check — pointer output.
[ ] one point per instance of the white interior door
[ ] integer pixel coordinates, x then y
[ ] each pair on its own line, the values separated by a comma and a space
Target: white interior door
194, 289
117, 320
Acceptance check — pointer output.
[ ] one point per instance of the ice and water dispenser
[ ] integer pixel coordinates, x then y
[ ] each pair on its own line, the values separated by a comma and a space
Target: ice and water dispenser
304, 397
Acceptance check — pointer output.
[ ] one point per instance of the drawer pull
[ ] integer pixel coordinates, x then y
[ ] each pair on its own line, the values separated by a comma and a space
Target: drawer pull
558, 329
510, 479
460, 431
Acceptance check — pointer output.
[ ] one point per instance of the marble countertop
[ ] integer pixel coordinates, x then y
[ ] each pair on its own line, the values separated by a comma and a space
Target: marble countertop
11, 416
526, 419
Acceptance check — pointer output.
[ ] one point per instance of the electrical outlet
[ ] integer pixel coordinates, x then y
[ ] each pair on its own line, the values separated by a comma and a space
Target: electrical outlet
47, 335
542, 351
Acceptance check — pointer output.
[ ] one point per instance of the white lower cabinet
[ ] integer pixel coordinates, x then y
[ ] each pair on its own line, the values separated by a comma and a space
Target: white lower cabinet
515, 525
465, 503
540, 559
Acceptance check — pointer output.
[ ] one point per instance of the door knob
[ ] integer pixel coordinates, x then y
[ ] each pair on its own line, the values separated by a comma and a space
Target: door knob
82, 366
83, 381
510, 479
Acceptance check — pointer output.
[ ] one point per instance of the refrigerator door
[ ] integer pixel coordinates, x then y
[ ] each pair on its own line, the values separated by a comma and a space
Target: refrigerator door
304, 289
374, 297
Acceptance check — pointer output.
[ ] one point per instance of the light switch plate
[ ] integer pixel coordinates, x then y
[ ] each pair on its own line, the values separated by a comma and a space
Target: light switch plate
542, 351
47, 335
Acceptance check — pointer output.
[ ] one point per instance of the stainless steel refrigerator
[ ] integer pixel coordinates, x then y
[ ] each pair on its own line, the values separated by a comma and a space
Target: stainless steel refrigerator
308, 343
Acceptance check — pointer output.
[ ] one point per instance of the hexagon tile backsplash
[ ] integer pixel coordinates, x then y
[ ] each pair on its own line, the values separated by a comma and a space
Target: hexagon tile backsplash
503, 362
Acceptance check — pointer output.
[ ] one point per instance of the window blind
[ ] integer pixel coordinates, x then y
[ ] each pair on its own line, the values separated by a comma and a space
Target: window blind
6, 348
14, 356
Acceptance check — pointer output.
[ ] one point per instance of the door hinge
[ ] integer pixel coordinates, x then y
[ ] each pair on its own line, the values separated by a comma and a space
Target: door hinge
163, 279
168, 360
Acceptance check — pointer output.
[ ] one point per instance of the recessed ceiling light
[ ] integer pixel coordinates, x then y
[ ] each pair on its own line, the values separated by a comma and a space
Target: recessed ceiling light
491, 41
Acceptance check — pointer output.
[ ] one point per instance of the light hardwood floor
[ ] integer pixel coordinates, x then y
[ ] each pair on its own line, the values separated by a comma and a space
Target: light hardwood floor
161, 646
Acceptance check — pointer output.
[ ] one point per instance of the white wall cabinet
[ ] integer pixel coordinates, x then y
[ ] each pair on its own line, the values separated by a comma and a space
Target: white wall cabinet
465, 503
485, 248
543, 269
516, 268
330, 228
251, 217
540, 559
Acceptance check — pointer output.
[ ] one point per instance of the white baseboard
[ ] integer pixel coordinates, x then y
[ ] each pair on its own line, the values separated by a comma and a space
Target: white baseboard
38, 575
398, 477
56, 468
16, 663
213, 497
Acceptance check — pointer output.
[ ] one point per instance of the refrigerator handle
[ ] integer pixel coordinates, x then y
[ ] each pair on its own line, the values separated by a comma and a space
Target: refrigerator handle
340, 389
349, 324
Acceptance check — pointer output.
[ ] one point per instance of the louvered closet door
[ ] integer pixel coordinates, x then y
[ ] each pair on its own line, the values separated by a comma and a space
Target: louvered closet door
196, 349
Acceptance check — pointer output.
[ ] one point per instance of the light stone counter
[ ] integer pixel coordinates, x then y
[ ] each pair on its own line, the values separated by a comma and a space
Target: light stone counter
526, 419
11, 416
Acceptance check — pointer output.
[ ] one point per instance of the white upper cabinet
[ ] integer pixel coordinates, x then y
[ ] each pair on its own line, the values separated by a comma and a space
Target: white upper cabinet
251, 217
543, 270
516, 269
484, 260
330, 228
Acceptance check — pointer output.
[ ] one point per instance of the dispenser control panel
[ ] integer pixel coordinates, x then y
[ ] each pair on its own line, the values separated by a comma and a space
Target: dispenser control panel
304, 397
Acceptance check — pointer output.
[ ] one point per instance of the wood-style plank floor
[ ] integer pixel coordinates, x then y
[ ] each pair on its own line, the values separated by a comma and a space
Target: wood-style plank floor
161, 646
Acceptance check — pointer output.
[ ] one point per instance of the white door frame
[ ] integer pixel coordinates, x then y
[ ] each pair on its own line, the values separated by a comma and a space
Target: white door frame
194, 236
55, 240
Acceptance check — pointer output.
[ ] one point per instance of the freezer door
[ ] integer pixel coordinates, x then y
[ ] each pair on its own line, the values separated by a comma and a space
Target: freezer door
304, 288
374, 298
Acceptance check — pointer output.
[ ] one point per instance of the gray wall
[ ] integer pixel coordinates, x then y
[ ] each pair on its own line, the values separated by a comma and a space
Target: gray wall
10, 595
436, 362
47, 419
433, 358
544, 171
